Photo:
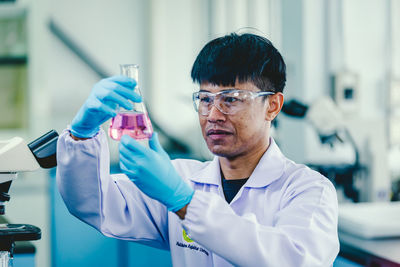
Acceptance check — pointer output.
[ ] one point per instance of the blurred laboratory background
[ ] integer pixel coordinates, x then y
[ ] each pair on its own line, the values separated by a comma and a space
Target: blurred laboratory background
341, 116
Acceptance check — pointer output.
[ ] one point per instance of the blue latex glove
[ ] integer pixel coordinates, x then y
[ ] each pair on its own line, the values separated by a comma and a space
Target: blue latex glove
102, 104
152, 172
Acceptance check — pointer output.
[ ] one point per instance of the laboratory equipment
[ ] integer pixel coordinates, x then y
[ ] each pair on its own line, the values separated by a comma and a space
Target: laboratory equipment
327, 120
357, 166
370, 219
345, 86
135, 122
17, 156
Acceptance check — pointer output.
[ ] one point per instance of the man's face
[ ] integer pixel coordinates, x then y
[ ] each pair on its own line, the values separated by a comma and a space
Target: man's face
238, 134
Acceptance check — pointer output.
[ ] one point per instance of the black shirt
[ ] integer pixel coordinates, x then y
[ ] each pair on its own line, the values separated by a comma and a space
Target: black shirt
231, 187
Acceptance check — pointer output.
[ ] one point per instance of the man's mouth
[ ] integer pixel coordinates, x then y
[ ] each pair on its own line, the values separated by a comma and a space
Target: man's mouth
217, 133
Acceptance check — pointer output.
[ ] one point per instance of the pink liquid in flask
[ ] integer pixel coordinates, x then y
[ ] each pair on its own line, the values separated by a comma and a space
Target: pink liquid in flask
135, 124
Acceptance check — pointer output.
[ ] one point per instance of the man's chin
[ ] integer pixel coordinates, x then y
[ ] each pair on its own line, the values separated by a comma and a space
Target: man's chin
221, 151
221, 147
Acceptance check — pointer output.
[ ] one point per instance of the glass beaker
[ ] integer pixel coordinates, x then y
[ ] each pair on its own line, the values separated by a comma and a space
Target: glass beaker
135, 122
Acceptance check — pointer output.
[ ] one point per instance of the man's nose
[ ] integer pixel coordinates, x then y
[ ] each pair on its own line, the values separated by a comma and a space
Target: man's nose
215, 114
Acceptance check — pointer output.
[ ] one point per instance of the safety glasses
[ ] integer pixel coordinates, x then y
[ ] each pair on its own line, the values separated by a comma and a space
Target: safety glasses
228, 101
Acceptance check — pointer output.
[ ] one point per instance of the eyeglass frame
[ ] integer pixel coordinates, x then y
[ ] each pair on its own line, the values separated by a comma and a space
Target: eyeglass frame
253, 95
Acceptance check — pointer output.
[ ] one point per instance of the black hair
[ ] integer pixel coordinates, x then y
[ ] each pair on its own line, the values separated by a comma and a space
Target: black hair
243, 58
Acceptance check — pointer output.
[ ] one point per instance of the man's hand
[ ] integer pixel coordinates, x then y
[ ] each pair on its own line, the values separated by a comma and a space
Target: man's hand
182, 212
152, 172
102, 104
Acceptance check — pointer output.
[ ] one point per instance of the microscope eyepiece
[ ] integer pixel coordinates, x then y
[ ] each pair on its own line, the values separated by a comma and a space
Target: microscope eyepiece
45, 149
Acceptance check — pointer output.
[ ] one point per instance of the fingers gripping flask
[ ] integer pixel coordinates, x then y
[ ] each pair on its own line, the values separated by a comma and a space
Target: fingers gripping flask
135, 122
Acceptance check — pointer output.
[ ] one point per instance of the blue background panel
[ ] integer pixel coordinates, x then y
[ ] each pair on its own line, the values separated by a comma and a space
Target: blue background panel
75, 243
24, 260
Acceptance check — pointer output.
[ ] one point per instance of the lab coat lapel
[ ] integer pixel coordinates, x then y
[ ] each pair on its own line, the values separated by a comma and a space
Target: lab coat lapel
270, 167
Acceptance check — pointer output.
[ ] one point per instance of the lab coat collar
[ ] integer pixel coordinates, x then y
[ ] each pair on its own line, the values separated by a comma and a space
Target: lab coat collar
211, 174
269, 169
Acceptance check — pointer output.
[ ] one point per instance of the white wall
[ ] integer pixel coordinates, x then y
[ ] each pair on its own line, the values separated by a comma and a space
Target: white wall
395, 7
111, 33
29, 203
366, 43
321, 38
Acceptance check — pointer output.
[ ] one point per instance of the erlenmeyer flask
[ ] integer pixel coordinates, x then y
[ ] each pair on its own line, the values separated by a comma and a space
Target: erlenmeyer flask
135, 122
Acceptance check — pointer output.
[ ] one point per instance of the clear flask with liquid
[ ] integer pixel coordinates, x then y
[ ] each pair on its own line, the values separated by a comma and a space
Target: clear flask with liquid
135, 122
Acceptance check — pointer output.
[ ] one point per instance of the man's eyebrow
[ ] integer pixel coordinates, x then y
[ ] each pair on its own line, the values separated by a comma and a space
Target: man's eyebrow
229, 90
202, 90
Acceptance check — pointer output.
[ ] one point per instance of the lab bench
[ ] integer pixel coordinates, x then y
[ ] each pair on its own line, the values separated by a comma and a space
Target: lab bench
383, 252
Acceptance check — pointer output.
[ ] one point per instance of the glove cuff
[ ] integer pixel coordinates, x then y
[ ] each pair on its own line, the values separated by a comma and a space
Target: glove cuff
79, 134
185, 196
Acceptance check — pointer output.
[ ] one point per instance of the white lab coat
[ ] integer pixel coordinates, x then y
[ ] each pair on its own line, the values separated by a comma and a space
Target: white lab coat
285, 214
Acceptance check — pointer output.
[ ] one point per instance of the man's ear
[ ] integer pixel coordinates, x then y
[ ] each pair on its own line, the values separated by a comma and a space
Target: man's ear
275, 106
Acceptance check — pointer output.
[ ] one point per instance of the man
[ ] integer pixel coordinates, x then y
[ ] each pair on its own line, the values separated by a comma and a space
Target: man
250, 206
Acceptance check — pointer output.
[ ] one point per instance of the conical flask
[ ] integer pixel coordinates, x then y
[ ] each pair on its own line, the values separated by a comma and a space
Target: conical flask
135, 122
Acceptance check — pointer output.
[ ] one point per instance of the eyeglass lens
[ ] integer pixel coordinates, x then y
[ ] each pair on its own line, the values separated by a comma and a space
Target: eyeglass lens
227, 102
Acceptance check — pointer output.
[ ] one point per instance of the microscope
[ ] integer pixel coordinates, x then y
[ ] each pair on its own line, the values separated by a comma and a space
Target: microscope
327, 121
17, 156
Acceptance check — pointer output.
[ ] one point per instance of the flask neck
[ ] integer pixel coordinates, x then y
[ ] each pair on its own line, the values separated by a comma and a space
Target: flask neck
132, 71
